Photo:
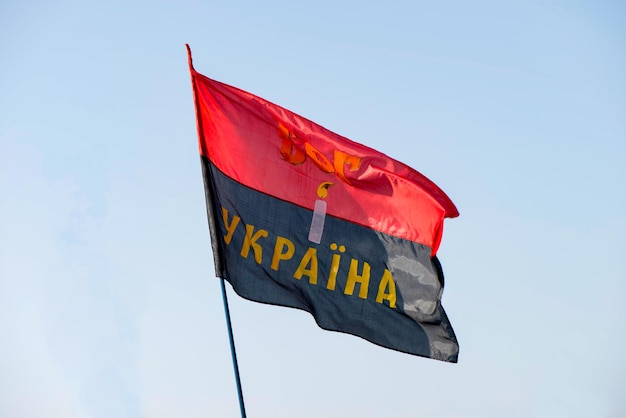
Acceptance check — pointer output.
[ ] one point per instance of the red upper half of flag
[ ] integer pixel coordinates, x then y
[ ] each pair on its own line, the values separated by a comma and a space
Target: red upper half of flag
277, 152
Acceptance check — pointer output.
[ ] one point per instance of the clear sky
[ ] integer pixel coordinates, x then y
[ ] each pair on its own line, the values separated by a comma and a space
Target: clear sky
108, 302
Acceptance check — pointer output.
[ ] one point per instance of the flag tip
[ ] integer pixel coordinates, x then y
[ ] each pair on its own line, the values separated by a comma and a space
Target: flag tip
189, 58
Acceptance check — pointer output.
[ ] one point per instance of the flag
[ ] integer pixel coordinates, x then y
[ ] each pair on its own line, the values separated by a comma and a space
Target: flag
302, 217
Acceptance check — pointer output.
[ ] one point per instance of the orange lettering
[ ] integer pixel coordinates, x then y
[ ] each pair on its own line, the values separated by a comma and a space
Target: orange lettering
341, 159
294, 154
288, 149
319, 159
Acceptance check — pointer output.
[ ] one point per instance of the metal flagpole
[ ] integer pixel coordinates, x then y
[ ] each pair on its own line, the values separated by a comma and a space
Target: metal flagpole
212, 229
232, 350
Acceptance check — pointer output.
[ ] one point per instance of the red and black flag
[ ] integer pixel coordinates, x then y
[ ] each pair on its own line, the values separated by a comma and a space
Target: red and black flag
305, 218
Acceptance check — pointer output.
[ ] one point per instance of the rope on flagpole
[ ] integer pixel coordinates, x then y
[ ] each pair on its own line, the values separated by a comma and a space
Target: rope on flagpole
232, 350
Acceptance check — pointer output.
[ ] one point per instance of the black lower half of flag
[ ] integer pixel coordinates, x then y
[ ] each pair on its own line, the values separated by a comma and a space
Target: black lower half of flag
351, 278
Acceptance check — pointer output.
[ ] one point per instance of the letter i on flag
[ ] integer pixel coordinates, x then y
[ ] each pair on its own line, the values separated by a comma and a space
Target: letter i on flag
305, 218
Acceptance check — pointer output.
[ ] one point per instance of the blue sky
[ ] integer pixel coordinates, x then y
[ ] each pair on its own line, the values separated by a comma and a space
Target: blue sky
108, 302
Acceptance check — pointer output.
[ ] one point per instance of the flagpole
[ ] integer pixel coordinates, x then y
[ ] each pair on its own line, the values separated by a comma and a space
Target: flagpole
211, 216
233, 352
